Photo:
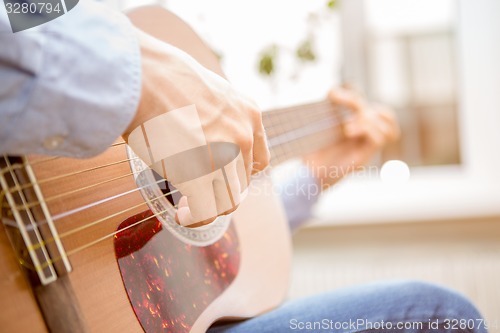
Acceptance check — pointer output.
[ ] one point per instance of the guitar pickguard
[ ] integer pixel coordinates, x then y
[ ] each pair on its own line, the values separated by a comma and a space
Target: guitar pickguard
170, 283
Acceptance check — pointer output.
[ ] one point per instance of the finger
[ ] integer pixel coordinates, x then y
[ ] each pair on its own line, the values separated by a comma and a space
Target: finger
248, 163
213, 194
368, 128
354, 90
261, 154
238, 173
377, 131
389, 128
246, 146
347, 98
388, 117
200, 197
230, 185
183, 213
354, 128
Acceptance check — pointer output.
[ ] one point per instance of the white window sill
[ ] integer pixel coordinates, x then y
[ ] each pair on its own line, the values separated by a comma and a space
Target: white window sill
436, 193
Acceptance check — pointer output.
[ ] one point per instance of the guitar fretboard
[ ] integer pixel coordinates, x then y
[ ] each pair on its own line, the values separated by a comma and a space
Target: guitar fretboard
297, 130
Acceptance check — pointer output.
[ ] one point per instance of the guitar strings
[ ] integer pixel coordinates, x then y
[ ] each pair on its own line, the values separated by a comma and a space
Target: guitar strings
286, 134
32, 204
51, 158
46, 180
98, 221
39, 182
276, 119
277, 113
75, 191
268, 129
266, 114
104, 200
297, 131
273, 113
104, 219
32, 221
73, 231
68, 213
44, 160
277, 155
98, 240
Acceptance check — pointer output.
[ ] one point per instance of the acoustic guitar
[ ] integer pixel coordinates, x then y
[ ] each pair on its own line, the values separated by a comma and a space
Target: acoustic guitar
92, 245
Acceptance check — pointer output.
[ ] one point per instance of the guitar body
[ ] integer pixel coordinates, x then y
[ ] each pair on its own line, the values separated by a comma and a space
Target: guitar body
130, 271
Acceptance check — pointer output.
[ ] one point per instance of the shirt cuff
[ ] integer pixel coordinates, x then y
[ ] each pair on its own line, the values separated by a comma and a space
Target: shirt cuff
299, 191
87, 89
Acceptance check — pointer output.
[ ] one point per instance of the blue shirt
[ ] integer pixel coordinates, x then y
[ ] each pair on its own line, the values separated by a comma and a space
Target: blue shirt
70, 86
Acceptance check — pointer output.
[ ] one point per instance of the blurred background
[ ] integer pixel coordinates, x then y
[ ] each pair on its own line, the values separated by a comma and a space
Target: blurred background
435, 62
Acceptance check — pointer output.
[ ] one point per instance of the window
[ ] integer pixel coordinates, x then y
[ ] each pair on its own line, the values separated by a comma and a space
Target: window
464, 185
411, 64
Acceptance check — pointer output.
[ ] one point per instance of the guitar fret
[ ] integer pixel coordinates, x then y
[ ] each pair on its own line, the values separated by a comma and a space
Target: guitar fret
48, 217
29, 232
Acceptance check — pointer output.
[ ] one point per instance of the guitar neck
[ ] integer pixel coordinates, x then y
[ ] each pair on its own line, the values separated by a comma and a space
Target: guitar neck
298, 130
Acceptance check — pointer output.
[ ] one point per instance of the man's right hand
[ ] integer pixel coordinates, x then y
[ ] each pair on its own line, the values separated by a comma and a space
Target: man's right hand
171, 80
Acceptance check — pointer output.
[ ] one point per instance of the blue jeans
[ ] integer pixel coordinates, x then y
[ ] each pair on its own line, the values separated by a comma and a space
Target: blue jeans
395, 306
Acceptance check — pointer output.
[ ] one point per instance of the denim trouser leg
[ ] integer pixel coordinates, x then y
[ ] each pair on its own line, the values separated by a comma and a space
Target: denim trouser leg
395, 306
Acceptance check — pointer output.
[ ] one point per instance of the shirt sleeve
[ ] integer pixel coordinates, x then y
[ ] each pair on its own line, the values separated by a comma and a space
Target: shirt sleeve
299, 191
70, 86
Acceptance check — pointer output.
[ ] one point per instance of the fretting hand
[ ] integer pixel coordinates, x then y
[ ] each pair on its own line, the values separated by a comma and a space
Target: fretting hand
371, 127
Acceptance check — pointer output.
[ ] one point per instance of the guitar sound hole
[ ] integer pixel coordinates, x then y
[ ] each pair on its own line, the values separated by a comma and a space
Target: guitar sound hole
166, 188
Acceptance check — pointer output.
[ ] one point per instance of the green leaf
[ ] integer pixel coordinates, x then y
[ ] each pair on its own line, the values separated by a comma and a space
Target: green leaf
331, 4
305, 51
267, 60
